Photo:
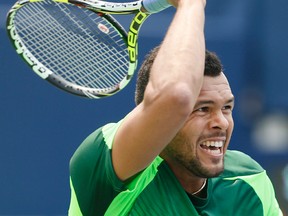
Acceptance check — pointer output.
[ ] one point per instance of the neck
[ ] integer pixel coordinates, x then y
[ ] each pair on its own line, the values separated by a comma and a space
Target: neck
200, 191
192, 184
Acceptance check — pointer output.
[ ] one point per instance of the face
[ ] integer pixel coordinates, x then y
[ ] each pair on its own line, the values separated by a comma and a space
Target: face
200, 145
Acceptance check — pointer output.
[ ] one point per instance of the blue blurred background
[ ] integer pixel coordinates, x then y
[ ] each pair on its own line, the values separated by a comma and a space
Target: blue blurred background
41, 126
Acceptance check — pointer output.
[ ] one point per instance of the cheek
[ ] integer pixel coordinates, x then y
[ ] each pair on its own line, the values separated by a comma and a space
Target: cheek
185, 141
231, 125
189, 144
229, 132
193, 131
195, 126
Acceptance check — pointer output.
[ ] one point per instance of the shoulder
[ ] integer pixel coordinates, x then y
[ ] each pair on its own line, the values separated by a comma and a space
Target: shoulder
102, 137
240, 169
95, 148
237, 163
93, 181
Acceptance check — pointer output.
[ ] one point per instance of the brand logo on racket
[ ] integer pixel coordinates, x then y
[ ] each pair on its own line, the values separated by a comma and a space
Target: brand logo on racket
39, 68
133, 35
103, 28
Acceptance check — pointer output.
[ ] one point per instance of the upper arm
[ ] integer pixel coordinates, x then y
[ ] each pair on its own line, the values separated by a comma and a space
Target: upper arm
147, 130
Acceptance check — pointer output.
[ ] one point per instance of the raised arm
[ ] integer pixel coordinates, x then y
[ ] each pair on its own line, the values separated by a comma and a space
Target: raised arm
175, 82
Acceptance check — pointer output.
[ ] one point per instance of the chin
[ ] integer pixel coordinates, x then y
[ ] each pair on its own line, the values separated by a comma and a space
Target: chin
205, 170
215, 171
212, 170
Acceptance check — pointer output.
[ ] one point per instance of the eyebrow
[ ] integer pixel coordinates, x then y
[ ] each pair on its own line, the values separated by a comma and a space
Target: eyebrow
207, 102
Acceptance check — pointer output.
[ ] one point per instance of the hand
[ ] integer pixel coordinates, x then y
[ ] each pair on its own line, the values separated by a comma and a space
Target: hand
176, 2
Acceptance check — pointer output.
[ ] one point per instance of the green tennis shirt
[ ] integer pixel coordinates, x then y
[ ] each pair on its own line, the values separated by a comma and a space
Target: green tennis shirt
242, 189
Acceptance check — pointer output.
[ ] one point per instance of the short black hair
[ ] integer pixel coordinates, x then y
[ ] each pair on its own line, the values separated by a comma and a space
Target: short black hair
213, 68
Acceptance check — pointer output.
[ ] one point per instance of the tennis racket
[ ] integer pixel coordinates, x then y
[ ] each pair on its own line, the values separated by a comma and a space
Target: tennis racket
77, 45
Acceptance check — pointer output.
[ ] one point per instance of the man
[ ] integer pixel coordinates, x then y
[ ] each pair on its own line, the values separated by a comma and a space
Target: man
169, 155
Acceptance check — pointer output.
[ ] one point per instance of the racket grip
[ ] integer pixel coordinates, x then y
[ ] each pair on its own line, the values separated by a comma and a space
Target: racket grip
155, 6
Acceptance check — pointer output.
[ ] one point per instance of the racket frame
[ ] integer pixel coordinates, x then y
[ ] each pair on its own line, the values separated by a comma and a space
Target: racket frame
103, 9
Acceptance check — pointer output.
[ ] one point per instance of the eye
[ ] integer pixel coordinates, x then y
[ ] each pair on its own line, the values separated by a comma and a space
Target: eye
227, 108
203, 109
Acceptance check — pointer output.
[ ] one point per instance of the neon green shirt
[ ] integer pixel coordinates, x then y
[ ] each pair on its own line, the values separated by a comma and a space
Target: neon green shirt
242, 189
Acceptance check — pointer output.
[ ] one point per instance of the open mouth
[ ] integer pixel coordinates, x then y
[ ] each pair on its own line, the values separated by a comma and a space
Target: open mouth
214, 148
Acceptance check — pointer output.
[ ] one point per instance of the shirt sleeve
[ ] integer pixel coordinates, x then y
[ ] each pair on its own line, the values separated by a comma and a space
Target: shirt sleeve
270, 203
94, 184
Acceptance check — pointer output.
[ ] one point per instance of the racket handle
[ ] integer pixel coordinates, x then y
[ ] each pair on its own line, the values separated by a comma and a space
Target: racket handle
155, 6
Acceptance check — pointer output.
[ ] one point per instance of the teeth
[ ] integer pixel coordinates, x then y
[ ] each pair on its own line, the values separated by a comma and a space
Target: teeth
214, 152
217, 144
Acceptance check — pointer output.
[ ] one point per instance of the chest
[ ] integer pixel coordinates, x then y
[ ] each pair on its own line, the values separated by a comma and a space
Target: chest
165, 196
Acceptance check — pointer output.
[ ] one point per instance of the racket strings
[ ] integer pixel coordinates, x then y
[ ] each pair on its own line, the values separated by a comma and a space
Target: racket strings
100, 62
76, 55
80, 64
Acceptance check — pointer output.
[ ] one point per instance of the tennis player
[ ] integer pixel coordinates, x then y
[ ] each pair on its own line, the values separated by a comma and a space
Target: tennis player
169, 155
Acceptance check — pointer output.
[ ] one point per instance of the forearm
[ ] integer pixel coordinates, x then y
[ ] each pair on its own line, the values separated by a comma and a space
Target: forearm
181, 58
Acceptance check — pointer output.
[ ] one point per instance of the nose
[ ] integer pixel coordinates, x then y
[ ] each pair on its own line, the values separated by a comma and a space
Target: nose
219, 121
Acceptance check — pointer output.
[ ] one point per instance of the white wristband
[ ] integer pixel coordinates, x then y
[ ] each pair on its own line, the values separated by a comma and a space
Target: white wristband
155, 6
